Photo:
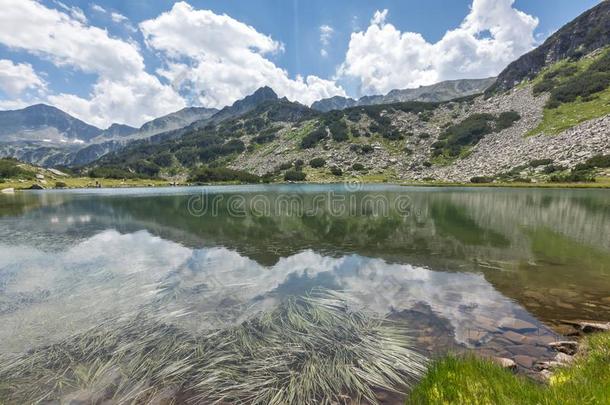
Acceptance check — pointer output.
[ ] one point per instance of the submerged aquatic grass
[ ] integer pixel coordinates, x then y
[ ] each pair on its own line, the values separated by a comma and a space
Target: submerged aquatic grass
309, 349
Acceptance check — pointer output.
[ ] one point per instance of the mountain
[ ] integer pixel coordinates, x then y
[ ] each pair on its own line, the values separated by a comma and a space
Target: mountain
176, 120
118, 131
443, 91
46, 136
588, 32
42, 122
261, 114
549, 128
246, 104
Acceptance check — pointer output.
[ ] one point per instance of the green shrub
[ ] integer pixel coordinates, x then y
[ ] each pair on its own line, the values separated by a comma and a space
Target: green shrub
187, 157
427, 164
595, 79
336, 171
423, 135
506, 120
338, 131
552, 169
60, 184
285, 166
575, 176
366, 149
147, 168
294, 175
310, 140
9, 168
540, 162
222, 174
298, 164
392, 135
165, 159
358, 167
481, 180
466, 133
600, 161
353, 115
317, 163
264, 138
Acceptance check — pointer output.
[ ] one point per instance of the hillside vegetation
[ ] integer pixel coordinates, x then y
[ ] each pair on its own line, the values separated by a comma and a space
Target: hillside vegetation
579, 91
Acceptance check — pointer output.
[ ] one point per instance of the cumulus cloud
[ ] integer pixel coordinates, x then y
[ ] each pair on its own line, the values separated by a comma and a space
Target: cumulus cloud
17, 77
74, 11
326, 33
124, 91
491, 36
218, 59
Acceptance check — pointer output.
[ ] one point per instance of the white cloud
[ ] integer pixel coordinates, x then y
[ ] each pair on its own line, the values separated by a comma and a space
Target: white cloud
219, 59
121, 19
18, 77
326, 33
491, 36
74, 11
98, 8
124, 91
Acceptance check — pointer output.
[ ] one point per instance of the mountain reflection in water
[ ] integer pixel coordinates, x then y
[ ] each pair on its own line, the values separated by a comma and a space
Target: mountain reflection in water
476, 260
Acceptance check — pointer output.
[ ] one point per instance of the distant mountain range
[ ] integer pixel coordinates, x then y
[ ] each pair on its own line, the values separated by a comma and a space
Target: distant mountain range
511, 134
443, 91
413, 133
44, 123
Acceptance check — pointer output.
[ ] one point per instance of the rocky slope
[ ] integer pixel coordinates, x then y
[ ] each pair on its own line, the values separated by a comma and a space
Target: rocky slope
443, 91
588, 32
409, 158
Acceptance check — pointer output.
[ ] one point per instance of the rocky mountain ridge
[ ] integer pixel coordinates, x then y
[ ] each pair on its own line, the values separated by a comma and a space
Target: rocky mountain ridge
443, 91
583, 35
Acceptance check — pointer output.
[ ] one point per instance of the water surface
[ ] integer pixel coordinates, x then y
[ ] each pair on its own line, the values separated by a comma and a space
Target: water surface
489, 269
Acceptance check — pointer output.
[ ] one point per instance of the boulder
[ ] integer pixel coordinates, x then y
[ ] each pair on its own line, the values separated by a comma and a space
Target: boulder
524, 361
9, 190
563, 358
505, 363
568, 347
589, 326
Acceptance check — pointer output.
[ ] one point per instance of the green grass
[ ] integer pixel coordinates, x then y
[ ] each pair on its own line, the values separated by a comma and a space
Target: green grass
566, 115
470, 380
569, 115
83, 182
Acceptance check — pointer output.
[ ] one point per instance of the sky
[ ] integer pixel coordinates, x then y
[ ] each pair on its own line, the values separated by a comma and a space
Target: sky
129, 61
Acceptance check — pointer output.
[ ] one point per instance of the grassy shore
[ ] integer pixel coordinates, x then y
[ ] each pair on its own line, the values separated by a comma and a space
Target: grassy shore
87, 182
84, 182
470, 380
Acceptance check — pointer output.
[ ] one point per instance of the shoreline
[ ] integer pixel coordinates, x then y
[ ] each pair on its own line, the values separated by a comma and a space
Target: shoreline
88, 183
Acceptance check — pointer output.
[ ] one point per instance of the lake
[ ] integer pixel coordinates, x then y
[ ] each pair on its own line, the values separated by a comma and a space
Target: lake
489, 269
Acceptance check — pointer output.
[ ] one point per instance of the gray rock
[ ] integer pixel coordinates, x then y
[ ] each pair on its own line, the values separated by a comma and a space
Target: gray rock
505, 363
568, 347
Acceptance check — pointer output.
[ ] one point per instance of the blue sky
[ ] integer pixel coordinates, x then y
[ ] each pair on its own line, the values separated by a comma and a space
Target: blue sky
153, 57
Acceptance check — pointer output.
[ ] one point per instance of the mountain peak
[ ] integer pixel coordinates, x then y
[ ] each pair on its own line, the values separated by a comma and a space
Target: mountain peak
42, 107
585, 34
264, 93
